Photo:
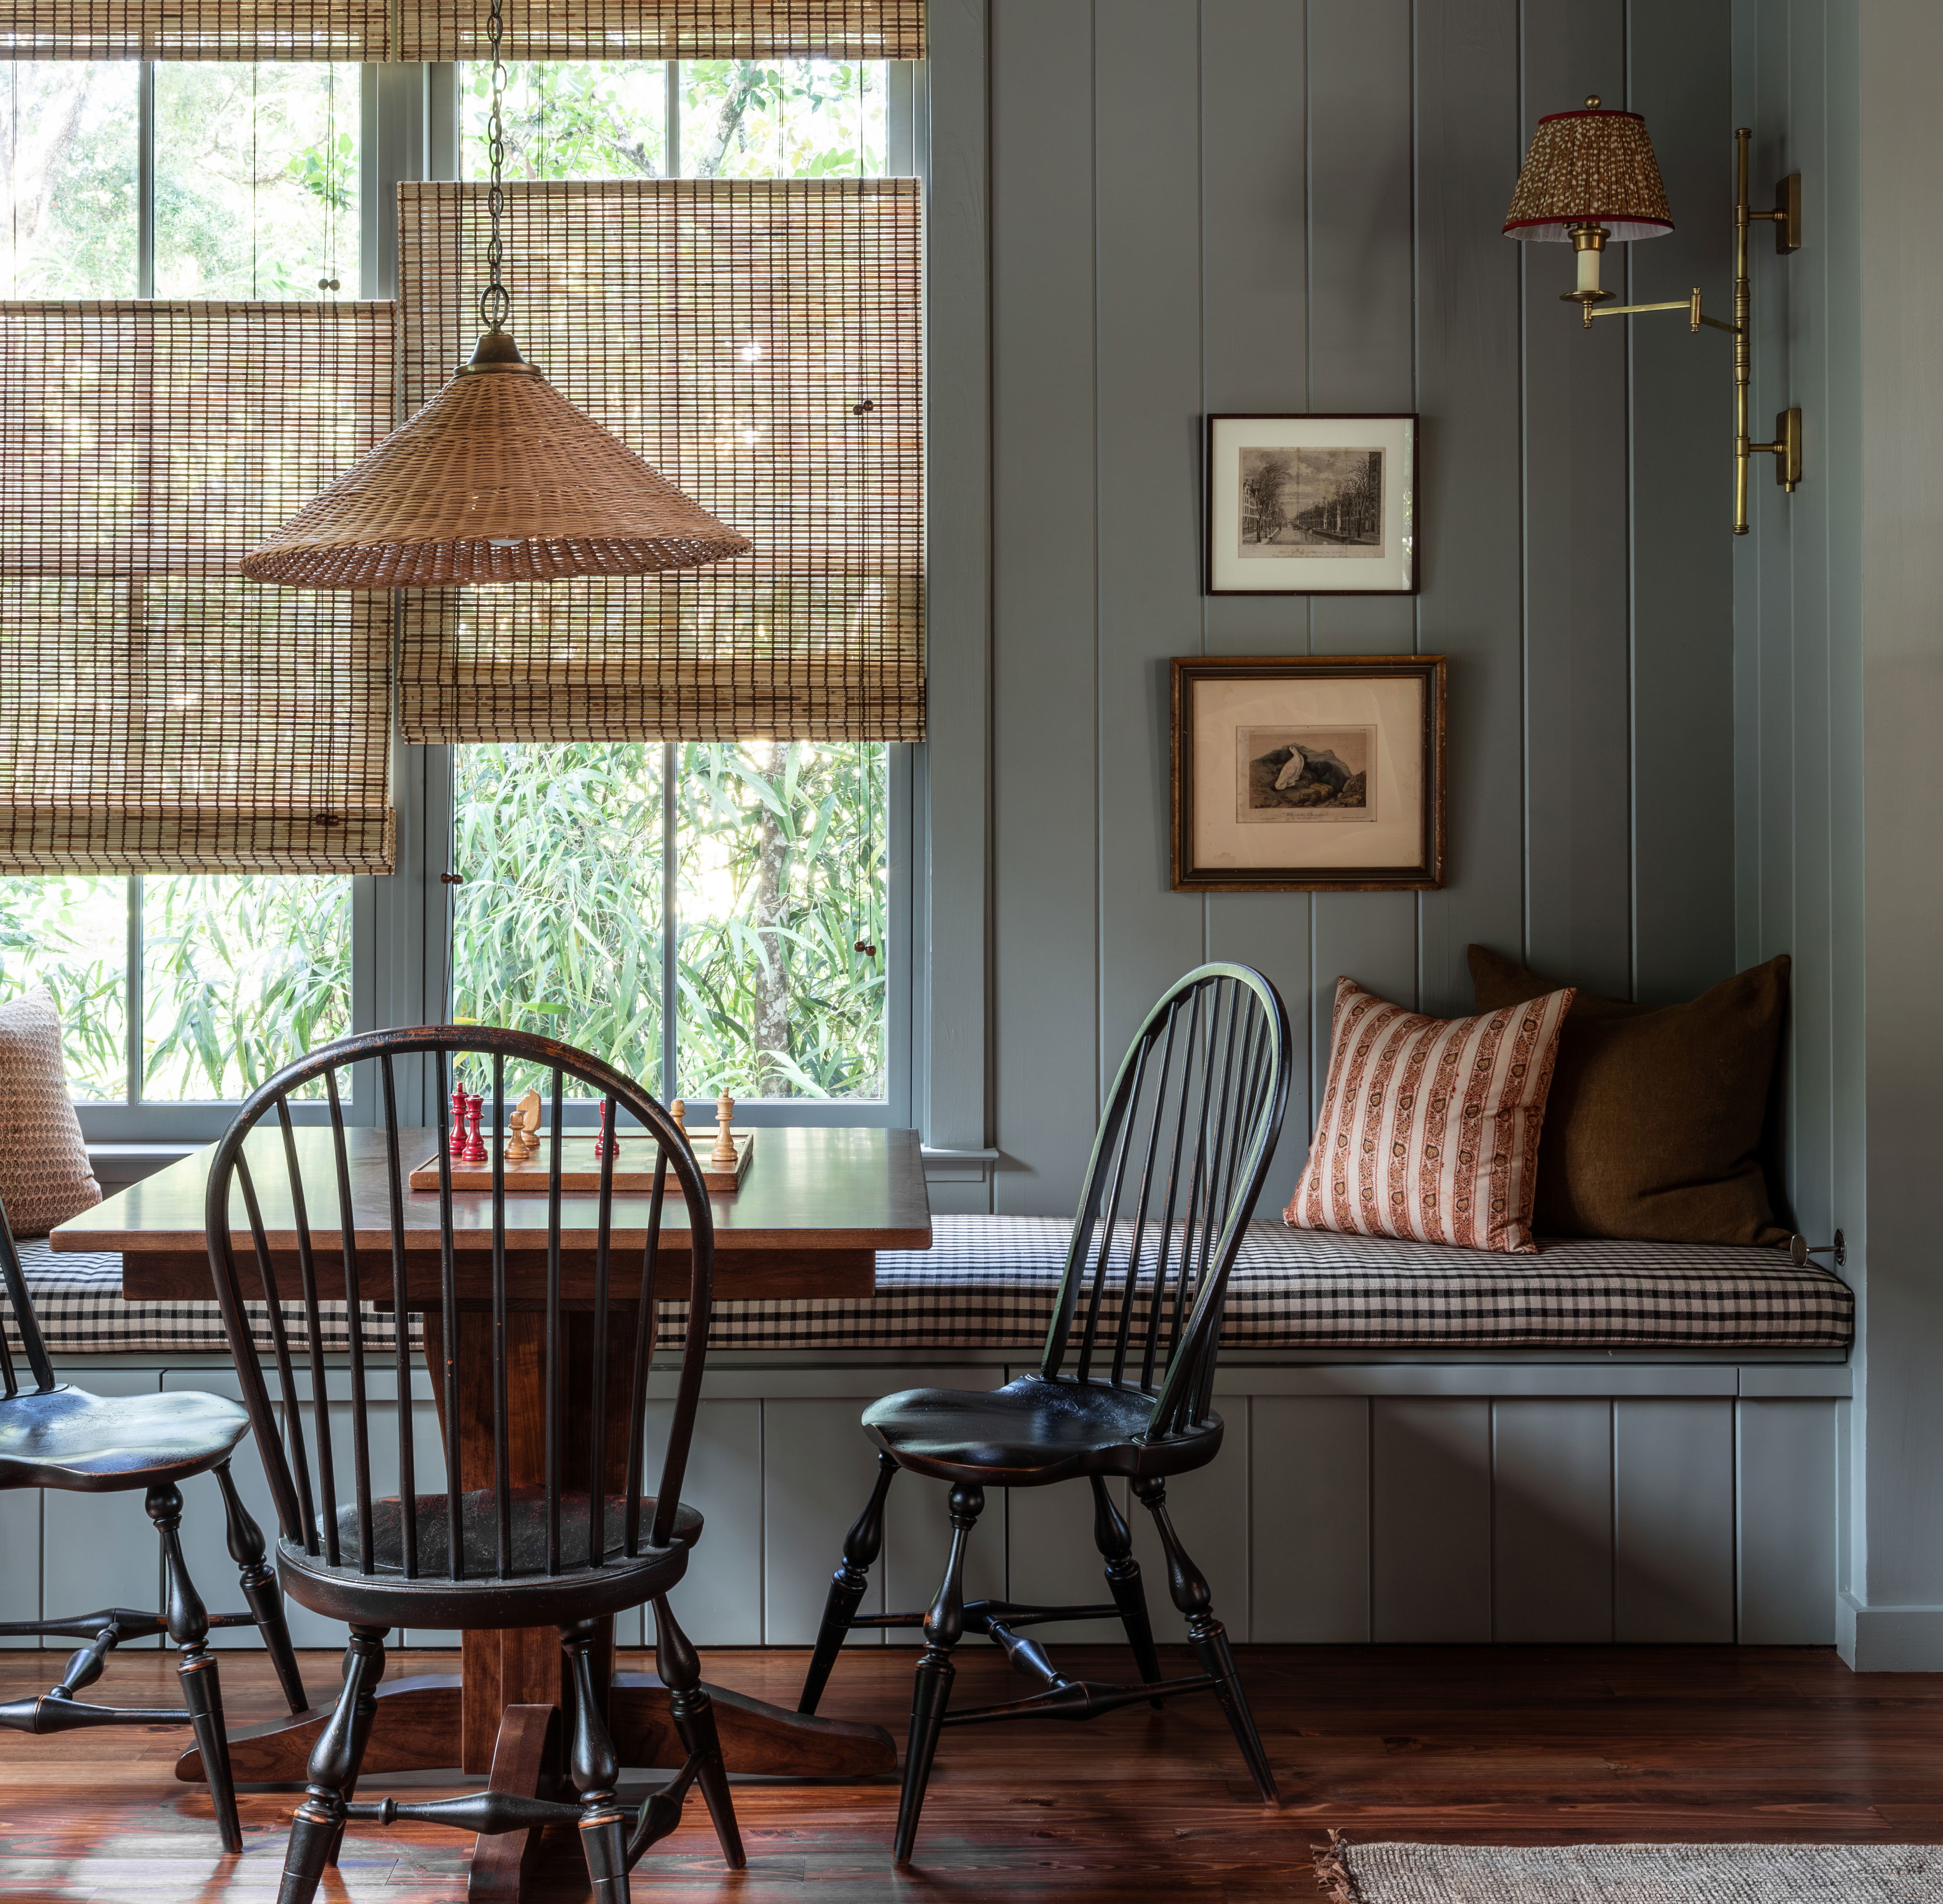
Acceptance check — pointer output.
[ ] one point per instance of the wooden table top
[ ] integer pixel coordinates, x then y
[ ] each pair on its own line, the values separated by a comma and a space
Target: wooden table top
820, 1199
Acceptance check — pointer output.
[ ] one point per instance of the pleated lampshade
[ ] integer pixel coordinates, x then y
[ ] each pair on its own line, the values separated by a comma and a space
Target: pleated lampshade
1591, 166
499, 478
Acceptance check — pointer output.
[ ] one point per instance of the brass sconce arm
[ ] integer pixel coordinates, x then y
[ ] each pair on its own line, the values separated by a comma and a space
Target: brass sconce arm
1786, 218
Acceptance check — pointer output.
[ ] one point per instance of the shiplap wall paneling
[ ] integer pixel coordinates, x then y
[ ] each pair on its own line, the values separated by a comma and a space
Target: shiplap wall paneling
1053, 1562
1681, 692
720, 1601
1148, 371
1470, 136
20, 1562
1673, 1521
1430, 1519
1309, 1521
1577, 729
1210, 1510
1360, 358
1551, 1520
816, 1473
1254, 297
101, 1550
1786, 1458
1045, 667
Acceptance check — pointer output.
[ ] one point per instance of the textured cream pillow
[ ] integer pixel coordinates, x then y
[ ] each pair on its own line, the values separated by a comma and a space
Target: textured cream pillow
1429, 1127
44, 1177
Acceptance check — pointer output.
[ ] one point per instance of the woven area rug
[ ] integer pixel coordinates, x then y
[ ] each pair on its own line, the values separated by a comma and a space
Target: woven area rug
1631, 1874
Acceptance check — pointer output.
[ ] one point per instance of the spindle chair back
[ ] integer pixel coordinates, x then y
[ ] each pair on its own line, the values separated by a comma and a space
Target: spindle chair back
476, 1545
1124, 1388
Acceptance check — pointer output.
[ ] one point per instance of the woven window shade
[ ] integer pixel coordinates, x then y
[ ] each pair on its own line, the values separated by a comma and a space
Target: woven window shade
454, 30
158, 712
759, 342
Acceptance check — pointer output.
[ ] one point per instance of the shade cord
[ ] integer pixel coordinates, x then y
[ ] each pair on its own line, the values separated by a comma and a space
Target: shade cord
494, 304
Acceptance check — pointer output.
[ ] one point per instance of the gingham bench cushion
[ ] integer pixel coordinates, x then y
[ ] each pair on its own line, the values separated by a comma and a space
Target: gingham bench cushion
988, 1283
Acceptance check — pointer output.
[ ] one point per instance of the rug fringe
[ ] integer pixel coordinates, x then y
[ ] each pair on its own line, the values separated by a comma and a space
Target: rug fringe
1332, 1871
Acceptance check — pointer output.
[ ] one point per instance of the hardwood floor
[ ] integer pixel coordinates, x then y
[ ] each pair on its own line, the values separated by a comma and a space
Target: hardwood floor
1509, 1745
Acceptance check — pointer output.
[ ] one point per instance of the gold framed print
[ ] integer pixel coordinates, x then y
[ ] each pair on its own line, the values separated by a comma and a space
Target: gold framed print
1308, 774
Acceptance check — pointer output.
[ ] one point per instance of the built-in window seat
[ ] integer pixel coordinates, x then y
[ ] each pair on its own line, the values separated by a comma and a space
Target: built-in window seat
988, 1283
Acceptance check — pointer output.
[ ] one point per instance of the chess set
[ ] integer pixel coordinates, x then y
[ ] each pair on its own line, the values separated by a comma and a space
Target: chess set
528, 1155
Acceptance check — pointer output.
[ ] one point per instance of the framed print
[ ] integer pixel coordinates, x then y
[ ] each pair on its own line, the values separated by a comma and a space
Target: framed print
1312, 506
1302, 774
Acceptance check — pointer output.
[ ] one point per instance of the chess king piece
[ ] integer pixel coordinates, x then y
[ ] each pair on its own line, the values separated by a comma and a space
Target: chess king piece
457, 1143
723, 1157
522, 1125
475, 1142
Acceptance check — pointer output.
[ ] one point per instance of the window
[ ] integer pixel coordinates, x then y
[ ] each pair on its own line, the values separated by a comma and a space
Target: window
705, 917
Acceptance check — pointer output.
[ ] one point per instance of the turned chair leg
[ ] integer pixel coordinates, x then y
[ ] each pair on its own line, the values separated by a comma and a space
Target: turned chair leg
693, 1712
1114, 1539
1209, 1637
931, 1690
596, 1770
188, 1632
334, 1761
847, 1585
261, 1593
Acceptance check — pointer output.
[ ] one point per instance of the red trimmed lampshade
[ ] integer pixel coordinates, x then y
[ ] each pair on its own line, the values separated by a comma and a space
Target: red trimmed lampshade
1590, 167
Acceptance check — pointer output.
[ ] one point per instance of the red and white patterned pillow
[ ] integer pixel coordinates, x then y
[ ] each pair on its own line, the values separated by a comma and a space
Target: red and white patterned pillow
1429, 1127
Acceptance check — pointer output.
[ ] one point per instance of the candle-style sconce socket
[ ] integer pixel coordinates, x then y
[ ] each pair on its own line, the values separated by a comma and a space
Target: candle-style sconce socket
1590, 178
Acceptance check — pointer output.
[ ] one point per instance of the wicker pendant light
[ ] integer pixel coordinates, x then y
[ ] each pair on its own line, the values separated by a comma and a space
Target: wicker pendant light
499, 478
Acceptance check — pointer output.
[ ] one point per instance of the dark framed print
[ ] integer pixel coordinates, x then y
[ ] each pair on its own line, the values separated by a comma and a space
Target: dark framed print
1312, 506
1303, 774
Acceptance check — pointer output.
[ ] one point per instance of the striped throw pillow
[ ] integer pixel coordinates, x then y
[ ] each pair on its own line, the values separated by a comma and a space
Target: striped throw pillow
1429, 1127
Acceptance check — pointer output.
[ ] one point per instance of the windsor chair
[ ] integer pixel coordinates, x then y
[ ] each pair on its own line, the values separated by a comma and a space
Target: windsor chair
1124, 1388
54, 1436
529, 1525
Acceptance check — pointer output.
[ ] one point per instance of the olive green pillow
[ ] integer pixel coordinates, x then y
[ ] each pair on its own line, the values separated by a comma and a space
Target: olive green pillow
1655, 1124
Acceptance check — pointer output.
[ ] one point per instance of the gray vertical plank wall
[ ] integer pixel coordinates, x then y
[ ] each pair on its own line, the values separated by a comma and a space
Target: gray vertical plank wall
1202, 206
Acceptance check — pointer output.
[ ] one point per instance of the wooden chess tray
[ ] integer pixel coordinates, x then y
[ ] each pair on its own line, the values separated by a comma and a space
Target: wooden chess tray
580, 1169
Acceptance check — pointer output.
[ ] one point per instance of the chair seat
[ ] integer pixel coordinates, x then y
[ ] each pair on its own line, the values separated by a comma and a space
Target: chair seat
67, 1438
385, 1596
1032, 1433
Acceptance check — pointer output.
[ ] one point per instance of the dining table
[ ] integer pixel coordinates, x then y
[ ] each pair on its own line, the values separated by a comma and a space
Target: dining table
814, 1206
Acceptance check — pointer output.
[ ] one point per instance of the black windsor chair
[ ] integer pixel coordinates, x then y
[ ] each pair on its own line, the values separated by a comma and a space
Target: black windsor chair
484, 1551
53, 1435
1125, 1386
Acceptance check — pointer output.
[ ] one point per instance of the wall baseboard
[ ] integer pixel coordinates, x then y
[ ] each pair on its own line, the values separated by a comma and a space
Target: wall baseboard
1888, 1639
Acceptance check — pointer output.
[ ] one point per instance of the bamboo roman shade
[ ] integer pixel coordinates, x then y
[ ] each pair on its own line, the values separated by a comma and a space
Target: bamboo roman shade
757, 341
158, 712
373, 30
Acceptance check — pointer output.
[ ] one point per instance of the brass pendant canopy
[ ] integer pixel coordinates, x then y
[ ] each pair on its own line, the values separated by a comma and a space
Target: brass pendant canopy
499, 478
1591, 166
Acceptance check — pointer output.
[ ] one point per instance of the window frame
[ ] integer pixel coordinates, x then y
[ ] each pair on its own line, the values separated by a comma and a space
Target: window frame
400, 923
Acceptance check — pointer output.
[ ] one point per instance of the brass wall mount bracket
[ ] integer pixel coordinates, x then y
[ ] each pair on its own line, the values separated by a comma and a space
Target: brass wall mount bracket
1786, 219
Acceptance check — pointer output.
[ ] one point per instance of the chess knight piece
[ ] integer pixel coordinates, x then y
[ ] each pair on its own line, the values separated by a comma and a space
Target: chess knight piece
522, 1125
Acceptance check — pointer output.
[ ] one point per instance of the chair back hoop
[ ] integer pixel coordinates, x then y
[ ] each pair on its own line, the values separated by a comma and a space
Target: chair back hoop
1190, 1127
24, 1320
591, 1495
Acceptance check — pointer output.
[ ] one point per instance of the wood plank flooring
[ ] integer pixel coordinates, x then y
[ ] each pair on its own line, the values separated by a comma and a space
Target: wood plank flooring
1477, 1745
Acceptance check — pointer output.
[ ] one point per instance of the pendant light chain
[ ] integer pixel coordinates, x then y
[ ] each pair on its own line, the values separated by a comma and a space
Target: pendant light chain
495, 306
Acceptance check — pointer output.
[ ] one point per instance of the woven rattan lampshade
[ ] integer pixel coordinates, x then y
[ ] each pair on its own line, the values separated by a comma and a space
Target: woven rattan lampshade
499, 478
1591, 166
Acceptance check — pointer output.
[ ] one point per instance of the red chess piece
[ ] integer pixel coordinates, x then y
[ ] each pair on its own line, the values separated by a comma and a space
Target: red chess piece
601, 1142
457, 1143
475, 1144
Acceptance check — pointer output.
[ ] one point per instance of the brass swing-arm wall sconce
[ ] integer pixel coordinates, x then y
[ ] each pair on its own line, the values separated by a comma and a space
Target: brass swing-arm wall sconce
1591, 177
